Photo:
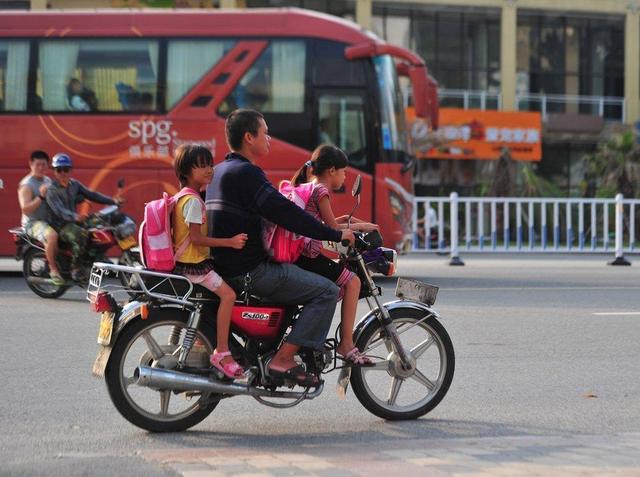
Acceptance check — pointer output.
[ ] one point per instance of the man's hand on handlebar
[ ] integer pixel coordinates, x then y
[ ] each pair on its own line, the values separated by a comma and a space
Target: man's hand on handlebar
119, 200
347, 237
82, 218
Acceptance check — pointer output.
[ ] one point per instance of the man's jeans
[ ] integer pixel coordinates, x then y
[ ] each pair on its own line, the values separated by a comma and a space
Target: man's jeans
286, 284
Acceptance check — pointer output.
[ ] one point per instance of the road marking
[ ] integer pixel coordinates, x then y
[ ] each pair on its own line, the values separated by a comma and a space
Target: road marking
528, 289
617, 313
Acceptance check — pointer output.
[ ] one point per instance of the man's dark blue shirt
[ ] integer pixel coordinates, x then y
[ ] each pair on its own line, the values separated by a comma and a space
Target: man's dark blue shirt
238, 199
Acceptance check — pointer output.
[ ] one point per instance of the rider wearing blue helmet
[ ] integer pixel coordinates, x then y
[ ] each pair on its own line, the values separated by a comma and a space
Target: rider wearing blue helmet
62, 197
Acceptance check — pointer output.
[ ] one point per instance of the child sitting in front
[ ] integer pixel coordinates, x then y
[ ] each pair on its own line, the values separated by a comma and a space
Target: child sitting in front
328, 167
194, 168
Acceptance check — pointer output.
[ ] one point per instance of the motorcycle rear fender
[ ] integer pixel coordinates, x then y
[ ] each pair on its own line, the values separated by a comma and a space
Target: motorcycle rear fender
391, 305
130, 312
133, 310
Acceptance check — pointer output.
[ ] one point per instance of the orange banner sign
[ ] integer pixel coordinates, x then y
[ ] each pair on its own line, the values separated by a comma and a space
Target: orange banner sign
476, 134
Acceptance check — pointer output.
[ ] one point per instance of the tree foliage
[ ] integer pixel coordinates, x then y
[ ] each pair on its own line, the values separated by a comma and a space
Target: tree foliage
614, 167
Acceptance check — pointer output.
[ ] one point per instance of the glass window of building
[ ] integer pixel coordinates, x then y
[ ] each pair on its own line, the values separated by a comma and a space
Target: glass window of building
188, 61
460, 46
14, 70
340, 8
98, 75
570, 55
275, 83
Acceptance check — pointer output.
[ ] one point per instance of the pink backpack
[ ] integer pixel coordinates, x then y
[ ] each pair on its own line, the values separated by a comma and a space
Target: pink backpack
283, 245
155, 239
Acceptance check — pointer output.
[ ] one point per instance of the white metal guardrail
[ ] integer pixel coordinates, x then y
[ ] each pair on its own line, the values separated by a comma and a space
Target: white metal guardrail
607, 107
512, 224
471, 99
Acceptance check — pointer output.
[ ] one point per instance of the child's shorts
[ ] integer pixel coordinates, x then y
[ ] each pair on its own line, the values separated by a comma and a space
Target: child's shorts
334, 271
211, 281
200, 274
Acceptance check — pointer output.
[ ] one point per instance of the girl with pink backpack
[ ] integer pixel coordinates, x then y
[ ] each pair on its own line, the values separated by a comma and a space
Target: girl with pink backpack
194, 168
327, 167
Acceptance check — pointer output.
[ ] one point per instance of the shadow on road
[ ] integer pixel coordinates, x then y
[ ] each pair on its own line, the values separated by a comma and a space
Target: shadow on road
380, 432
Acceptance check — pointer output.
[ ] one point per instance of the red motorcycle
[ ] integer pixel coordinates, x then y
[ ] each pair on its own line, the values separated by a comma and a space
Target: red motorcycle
154, 350
107, 228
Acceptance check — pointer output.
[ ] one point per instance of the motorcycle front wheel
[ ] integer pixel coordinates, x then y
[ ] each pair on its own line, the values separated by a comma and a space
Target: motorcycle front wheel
154, 342
36, 267
387, 389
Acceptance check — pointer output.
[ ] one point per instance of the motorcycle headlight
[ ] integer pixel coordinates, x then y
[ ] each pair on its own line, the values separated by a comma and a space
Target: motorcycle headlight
391, 257
382, 260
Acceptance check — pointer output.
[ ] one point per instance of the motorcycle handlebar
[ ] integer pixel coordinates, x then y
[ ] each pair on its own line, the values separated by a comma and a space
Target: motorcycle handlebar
360, 242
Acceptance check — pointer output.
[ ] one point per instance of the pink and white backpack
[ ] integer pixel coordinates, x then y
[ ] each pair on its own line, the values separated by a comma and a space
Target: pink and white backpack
283, 245
155, 238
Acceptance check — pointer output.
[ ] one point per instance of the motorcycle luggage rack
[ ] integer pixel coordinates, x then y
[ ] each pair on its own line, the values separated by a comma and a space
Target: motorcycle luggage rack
101, 270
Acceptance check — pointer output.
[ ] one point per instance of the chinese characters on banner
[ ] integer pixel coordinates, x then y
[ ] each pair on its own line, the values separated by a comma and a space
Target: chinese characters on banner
476, 134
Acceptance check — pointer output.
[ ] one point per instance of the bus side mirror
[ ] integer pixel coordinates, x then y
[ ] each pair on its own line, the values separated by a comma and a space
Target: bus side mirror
357, 186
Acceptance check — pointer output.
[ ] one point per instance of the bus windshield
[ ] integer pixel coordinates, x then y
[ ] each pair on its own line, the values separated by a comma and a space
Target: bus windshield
393, 126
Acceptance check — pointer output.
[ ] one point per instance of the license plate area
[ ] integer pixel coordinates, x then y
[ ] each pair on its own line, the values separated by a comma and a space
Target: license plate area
106, 328
408, 289
127, 242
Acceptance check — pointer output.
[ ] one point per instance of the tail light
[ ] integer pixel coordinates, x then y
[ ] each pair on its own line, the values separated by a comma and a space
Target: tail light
103, 301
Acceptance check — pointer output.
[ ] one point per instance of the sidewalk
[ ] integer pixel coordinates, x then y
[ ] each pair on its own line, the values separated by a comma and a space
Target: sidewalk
10, 266
517, 456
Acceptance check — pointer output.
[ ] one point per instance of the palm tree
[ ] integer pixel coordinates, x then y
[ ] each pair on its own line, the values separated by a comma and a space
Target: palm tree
616, 164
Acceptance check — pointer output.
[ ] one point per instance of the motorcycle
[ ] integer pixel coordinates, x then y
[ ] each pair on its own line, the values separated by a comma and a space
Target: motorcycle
106, 228
154, 350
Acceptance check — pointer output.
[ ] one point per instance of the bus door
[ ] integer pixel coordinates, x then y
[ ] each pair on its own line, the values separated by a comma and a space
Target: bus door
342, 119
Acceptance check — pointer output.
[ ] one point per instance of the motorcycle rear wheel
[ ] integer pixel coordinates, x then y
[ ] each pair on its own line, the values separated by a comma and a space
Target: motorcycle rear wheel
392, 393
144, 407
35, 264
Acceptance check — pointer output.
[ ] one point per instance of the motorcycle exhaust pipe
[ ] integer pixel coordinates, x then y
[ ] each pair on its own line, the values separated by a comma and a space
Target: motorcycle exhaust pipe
158, 378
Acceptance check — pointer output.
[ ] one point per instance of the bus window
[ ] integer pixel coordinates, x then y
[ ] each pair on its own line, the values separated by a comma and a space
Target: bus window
275, 83
14, 68
188, 61
341, 122
98, 75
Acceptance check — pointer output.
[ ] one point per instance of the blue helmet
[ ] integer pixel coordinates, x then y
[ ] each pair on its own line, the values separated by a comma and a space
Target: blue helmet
61, 160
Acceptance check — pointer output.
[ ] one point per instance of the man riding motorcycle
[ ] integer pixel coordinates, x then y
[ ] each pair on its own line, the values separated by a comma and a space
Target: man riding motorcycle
238, 199
32, 193
63, 196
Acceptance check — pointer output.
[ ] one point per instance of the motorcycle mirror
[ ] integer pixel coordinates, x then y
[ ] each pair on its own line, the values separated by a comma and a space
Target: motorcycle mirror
357, 186
120, 183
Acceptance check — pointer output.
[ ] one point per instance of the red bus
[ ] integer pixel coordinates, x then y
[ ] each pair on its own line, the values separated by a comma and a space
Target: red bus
119, 90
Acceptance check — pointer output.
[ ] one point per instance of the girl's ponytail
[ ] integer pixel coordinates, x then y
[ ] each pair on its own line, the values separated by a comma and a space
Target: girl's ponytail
300, 177
322, 159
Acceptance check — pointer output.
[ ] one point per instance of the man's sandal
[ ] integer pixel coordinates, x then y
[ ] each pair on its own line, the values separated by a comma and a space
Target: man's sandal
296, 374
356, 358
231, 369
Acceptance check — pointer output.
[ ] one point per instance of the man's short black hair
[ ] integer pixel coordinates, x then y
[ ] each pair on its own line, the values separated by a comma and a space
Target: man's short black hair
240, 122
38, 154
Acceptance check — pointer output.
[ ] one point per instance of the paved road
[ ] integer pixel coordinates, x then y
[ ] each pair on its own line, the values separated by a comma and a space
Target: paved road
547, 383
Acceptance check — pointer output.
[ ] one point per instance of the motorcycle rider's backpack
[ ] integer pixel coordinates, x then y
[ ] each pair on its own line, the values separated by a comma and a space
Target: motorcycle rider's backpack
283, 245
155, 238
